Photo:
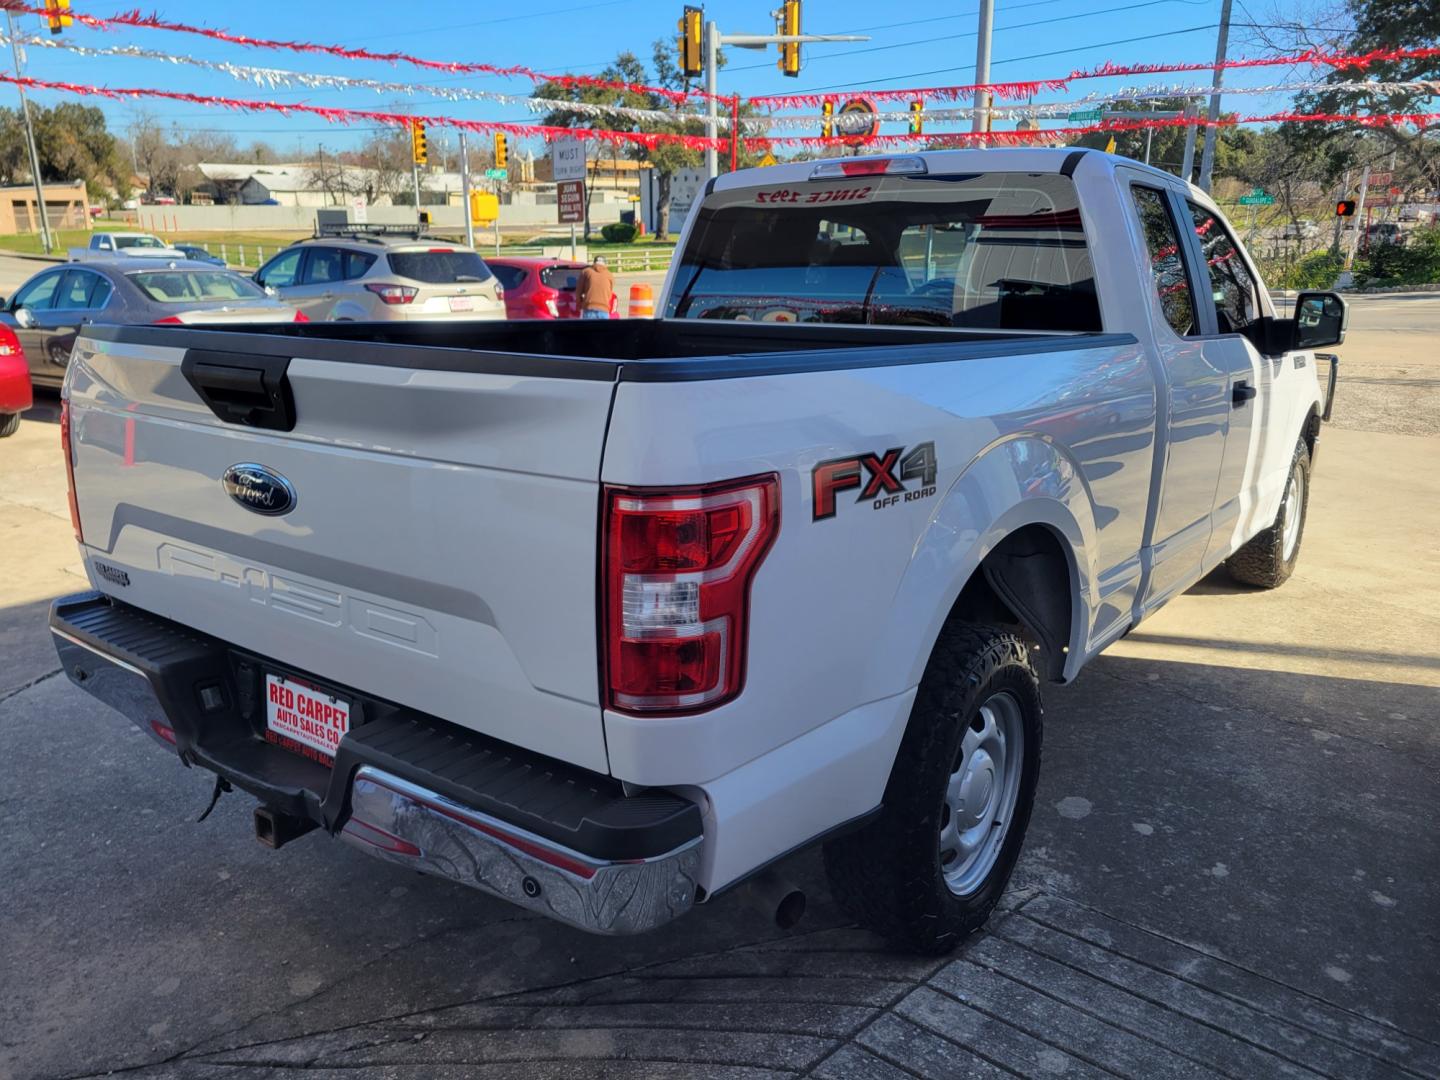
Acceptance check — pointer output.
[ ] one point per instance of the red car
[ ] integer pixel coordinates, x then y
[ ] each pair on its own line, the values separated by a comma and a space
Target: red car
540, 288
15, 395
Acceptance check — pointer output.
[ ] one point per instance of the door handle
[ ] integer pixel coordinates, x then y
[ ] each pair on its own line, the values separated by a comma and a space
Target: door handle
1242, 393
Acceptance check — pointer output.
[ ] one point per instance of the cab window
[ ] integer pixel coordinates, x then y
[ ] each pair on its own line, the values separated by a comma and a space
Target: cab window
282, 270
1168, 272
1237, 303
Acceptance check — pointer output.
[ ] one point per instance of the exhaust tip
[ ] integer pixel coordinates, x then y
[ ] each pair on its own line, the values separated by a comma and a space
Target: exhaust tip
777, 898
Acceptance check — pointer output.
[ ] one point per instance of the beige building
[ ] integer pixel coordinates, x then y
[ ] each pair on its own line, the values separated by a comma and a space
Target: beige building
66, 207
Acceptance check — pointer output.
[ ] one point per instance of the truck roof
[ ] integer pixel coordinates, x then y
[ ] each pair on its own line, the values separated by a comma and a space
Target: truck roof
1043, 159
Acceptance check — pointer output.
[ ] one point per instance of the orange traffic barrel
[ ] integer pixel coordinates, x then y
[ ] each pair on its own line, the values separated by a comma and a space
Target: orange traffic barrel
642, 302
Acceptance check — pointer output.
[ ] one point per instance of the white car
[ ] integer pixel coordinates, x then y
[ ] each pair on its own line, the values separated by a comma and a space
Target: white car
604, 617
371, 273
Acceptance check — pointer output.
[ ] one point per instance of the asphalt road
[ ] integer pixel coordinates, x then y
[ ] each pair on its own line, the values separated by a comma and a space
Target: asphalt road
1231, 871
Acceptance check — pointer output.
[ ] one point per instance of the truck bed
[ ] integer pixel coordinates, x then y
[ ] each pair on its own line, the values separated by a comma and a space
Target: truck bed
638, 350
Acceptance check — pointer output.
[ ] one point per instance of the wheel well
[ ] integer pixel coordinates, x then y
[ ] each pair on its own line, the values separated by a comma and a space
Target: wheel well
1024, 583
1311, 430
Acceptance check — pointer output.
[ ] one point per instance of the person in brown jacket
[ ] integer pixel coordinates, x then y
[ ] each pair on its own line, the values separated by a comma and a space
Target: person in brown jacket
594, 289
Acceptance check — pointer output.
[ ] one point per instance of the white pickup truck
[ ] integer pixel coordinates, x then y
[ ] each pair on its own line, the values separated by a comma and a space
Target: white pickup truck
605, 617
108, 245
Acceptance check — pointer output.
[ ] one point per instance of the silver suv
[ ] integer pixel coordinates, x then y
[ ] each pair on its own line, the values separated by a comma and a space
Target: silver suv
379, 272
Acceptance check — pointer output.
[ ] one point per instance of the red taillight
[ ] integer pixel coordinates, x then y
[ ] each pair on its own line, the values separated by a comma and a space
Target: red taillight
678, 565
393, 294
65, 446
170, 320
9, 343
300, 316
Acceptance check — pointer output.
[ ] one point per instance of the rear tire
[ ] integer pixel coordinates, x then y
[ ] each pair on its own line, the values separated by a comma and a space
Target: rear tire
927, 873
1269, 559
9, 424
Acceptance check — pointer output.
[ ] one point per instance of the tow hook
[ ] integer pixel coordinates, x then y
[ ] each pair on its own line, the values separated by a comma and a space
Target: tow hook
274, 829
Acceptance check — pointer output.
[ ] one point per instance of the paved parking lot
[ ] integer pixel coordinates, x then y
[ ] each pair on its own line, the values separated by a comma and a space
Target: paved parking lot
1232, 868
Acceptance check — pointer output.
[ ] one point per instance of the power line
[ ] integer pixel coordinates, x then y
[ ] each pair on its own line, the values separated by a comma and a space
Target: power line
847, 54
1011, 59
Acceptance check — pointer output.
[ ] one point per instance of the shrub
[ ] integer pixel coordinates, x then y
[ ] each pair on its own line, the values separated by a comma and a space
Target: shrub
618, 232
1415, 262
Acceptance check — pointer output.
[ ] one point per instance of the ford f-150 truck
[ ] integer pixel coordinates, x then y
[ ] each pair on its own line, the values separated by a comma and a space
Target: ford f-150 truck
605, 617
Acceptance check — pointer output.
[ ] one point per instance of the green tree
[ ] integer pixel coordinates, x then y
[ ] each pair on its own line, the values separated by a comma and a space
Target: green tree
1378, 24
73, 143
1167, 144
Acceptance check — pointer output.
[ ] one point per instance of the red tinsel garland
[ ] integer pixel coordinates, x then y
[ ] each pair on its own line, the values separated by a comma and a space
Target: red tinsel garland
134, 18
341, 116
1309, 56
1027, 138
1006, 90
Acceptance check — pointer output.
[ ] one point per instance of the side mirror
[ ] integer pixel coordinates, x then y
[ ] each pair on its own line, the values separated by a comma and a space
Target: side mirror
1320, 320
24, 317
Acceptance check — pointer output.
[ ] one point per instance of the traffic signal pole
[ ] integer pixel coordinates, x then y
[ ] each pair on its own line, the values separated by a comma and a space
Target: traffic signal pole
465, 193
745, 41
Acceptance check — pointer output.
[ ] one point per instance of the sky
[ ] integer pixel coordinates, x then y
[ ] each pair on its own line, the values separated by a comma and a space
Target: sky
911, 45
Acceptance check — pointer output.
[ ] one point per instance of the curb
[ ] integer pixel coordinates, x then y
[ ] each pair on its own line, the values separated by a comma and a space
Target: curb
1433, 286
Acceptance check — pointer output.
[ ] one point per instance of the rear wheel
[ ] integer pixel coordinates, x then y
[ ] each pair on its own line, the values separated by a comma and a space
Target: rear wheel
928, 872
9, 424
1269, 558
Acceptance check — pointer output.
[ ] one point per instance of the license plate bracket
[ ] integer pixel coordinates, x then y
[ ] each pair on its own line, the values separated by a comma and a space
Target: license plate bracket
304, 718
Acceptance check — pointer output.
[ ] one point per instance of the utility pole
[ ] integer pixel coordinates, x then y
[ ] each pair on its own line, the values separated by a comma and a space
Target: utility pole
1359, 218
465, 194
981, 120
30, 140
1187, 169
714, 39
1207, 158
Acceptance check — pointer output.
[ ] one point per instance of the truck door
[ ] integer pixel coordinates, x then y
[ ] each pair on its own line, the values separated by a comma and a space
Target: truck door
1196, 406
1235, 305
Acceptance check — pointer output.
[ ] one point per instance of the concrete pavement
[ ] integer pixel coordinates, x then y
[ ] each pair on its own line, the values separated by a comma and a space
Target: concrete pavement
1231, 869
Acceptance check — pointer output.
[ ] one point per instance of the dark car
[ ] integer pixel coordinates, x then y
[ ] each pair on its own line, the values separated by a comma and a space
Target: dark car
48, 311
539, 288
199, 254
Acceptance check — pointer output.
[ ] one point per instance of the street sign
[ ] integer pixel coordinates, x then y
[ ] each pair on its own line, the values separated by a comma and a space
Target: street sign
768, 159
1257, 197
1380, 179
497, 174
567, 159
1083, 116
359, 210
570, 199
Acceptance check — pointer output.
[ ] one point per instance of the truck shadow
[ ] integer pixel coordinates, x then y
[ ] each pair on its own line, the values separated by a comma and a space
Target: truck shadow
1275, 809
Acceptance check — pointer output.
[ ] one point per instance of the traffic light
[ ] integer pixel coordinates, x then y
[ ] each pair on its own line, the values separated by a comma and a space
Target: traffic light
502, 151
692, 26
787, 23
57, 13
827, 119
917, 117
1345, 208
419, 149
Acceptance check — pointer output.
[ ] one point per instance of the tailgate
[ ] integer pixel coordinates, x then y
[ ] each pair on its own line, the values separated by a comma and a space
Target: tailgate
440, 546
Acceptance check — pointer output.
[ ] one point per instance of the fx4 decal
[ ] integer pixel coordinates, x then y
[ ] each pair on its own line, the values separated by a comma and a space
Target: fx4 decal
880, 478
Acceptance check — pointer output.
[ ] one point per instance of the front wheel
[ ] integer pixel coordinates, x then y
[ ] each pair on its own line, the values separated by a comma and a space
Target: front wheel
1269, 558
928, 871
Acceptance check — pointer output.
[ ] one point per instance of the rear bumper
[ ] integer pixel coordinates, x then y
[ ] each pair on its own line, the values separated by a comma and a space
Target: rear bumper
404, 787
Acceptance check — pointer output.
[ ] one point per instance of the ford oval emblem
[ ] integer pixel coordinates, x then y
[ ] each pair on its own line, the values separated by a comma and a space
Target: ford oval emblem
259, 489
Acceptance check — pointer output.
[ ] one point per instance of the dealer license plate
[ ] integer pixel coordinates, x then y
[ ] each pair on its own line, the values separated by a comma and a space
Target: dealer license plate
303, 718
462, 303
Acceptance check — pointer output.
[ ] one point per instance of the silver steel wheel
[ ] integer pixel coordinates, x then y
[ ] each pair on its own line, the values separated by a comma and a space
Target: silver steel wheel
981, 795
1294, 512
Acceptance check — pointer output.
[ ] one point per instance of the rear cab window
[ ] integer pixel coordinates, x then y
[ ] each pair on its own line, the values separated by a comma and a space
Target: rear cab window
439, 266
1003, 251
1168, 271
